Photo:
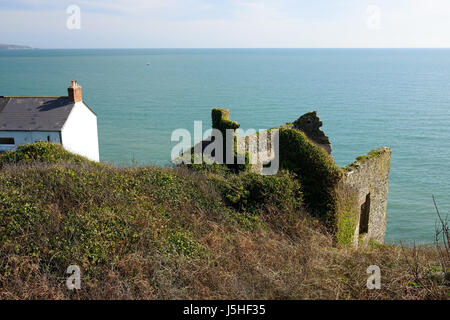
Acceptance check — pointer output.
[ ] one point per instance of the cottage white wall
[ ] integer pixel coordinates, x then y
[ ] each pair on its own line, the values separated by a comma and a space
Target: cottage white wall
79, 134
25, 137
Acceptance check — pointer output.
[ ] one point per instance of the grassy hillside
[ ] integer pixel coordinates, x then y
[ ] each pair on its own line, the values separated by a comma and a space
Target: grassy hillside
152, 233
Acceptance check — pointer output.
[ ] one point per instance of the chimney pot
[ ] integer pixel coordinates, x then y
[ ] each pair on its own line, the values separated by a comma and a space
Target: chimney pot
74, 92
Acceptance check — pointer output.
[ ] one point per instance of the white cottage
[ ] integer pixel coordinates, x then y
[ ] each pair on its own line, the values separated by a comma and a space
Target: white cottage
64, 120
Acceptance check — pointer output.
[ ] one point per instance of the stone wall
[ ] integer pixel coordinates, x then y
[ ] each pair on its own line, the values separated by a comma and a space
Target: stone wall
259, 153
311, 125
361, 195
369, 175
352, 200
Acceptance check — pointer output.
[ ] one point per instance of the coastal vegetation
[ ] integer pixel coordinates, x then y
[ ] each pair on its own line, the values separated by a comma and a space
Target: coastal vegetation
197, 232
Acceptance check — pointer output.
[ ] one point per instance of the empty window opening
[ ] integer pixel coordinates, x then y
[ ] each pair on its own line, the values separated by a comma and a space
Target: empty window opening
364, 218
267, 164
6, 140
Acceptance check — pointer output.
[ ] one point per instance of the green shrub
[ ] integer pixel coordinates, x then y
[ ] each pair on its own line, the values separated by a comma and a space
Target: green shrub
373, 244
41, 152
94, 216
218, 168
317, 171
184, 245
252, 191
247, 221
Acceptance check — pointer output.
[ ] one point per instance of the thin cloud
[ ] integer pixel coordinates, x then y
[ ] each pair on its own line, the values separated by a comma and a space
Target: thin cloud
226, 23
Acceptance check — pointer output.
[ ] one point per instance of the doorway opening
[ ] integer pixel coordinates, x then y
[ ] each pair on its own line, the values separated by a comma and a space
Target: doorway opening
364, 217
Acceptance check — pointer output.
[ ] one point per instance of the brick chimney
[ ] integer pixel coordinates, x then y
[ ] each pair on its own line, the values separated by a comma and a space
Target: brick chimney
74, 92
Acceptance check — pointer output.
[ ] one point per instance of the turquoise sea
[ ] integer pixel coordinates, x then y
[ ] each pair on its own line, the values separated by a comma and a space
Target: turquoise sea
366, 98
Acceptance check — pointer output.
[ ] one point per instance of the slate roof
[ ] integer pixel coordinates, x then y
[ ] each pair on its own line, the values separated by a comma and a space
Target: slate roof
34, 113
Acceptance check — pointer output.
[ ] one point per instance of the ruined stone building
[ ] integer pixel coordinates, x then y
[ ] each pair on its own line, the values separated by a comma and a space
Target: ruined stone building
352, 199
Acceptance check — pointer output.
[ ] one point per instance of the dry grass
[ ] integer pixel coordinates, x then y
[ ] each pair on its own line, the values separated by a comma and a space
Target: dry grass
149, 233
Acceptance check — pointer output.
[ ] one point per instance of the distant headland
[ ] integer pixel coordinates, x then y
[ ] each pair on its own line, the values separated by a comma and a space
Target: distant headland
12, 47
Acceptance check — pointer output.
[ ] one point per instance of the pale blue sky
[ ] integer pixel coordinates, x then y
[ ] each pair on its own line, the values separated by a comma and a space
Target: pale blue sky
227, 23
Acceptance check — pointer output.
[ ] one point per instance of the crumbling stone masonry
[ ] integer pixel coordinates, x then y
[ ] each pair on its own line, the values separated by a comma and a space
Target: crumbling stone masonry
351, 200
369, 175
310, 124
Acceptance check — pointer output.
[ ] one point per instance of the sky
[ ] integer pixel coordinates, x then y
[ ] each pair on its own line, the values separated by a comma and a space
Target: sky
226, 23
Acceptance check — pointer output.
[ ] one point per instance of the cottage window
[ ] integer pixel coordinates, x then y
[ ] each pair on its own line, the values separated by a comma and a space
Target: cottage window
6, 140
